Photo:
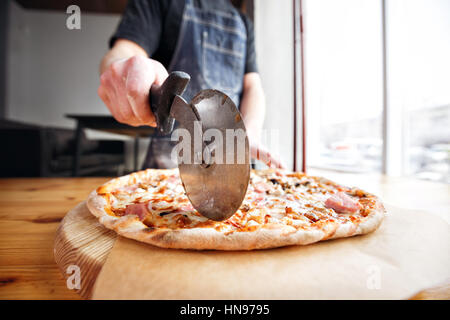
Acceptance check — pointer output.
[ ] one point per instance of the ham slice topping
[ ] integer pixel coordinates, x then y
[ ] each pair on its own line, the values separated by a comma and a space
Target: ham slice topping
138, 209
261, 187
342, 203
186, 207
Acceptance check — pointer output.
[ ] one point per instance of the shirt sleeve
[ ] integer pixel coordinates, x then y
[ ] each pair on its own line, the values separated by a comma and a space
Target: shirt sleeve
250, 63
141, 23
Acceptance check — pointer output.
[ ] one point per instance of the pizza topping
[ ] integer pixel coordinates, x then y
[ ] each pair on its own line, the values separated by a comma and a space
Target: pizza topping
245, 207
274, 181
174, 179
261, 187
127, 189
273, 198
138, 209
182, 220
279, 173
159, 204
303, 183
342, 203
233, 223
187, 207
311, 216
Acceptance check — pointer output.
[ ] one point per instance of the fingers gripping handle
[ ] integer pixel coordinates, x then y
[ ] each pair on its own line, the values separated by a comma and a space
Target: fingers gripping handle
161, 99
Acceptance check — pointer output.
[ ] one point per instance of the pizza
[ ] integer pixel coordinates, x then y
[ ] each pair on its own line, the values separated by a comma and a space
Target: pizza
280, 208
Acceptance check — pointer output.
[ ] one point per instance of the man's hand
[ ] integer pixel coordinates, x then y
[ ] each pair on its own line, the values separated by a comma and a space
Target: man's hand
124, 88
261, 153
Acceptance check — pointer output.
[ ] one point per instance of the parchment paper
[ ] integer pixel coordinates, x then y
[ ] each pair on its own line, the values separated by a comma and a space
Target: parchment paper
408, 253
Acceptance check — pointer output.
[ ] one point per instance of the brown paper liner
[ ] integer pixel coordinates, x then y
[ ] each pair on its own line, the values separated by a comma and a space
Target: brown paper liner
408, 253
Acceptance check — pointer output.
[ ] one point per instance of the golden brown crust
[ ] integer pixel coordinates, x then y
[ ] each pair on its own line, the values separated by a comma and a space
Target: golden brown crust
269, 236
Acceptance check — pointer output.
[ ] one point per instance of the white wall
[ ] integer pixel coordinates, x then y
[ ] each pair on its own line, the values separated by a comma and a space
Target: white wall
52, 70
274, 49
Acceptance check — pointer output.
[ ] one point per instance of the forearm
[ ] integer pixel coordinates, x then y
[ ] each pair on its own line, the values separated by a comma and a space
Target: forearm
122, 49
253, 106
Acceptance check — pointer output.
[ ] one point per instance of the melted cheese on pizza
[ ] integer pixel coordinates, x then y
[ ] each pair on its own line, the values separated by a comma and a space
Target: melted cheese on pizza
272, 198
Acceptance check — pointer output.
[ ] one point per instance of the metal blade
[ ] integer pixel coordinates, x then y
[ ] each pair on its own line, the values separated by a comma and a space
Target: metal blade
217, 186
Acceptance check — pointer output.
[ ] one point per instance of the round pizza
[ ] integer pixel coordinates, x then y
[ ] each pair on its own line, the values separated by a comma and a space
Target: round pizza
280, 208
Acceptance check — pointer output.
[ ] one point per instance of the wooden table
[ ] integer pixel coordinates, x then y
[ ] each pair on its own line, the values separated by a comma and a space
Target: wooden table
30, 212
31, 209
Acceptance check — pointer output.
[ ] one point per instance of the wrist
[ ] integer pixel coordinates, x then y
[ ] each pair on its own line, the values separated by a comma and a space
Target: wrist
254, 136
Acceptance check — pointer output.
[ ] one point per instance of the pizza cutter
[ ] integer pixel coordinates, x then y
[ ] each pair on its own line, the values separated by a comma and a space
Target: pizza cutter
213, 154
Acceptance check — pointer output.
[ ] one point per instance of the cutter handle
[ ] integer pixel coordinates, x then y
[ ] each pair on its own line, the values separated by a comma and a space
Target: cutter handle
161, 98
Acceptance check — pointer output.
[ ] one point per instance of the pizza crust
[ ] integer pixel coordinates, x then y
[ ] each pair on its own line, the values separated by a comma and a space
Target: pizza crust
203, 238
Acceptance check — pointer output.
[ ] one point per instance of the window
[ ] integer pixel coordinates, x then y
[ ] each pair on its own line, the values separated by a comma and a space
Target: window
418, 51
344, 86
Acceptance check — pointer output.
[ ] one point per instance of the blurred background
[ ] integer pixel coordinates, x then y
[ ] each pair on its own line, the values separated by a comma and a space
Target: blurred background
378, 78
372, 75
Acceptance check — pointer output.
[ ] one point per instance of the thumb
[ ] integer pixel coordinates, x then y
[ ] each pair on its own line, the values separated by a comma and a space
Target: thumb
161, 73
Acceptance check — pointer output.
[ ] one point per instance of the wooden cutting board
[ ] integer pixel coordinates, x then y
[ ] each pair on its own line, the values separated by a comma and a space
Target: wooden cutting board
82, 241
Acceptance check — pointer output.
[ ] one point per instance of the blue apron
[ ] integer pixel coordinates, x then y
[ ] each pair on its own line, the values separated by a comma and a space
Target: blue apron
211, 48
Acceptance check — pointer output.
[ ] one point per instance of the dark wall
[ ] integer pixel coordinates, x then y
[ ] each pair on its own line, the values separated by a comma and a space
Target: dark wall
98, 6
4, 10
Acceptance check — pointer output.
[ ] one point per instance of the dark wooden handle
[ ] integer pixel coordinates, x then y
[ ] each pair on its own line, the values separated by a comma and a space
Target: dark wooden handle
161, 99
